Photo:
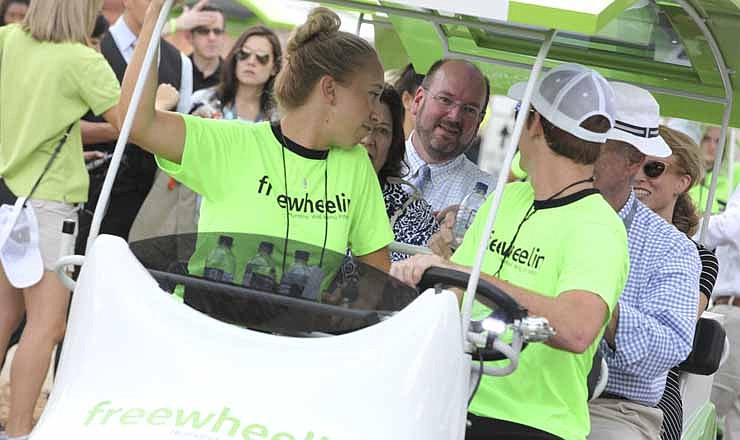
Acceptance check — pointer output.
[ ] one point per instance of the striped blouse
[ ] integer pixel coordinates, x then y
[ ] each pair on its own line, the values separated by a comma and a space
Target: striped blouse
670, 403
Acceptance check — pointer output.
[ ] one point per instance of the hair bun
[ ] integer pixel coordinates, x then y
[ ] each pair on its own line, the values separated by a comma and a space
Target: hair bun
320, 22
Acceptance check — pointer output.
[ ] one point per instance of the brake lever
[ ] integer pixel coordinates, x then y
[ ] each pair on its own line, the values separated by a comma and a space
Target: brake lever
534, 329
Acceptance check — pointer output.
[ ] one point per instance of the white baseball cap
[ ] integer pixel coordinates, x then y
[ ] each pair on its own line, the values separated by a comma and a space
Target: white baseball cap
19, 245
637, 120
568, 95
691, 129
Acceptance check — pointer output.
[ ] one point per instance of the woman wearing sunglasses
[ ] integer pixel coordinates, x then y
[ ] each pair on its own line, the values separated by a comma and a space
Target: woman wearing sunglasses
663, 184
246, 86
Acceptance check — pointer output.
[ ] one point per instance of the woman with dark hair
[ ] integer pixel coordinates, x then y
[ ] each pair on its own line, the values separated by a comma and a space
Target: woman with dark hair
245, 89
411, 217
406, 86
13, 11
663, 185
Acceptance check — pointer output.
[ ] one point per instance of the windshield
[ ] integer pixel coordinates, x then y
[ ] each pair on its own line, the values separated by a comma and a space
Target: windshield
268, 284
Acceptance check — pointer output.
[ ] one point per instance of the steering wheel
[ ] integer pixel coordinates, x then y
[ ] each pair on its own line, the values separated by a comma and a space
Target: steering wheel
233, 303
506, 308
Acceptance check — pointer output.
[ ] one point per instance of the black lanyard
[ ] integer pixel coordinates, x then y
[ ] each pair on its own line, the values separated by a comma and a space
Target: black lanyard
530, 212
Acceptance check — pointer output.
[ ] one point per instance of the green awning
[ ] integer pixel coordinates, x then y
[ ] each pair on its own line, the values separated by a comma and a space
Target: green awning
653, 44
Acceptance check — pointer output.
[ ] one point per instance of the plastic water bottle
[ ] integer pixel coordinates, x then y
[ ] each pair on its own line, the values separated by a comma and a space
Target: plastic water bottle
296, 278
260, 271
221, 263
468, 208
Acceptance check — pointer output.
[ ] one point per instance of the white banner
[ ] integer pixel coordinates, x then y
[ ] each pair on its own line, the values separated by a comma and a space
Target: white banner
139, 365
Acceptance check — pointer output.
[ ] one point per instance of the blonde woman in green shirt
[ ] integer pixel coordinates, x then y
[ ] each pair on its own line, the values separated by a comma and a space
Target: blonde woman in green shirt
49, 78
303, 178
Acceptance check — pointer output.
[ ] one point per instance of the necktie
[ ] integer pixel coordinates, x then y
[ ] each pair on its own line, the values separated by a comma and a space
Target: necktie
423, 176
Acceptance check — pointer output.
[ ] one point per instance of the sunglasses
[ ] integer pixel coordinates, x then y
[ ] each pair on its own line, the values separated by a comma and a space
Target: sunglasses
205, 31
262, 59
654, 169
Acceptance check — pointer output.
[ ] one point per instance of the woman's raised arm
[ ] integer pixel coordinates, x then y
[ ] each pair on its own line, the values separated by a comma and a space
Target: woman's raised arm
160, 132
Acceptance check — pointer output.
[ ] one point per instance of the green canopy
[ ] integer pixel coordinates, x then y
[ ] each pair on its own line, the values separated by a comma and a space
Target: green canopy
653, 44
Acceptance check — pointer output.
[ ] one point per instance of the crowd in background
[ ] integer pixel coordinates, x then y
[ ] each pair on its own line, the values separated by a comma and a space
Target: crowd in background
418, 134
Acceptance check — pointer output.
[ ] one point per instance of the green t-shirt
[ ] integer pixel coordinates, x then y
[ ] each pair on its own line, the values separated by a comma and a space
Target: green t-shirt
700, 192
238, 169
44, 87
574, 243
516, 168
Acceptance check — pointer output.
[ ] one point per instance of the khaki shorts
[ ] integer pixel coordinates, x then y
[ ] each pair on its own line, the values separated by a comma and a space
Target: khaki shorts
51, 215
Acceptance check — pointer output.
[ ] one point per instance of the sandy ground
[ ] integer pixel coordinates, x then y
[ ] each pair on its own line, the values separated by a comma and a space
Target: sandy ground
5, 391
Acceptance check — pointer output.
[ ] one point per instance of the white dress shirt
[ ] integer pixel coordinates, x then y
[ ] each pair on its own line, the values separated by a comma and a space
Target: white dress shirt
126, 40
449, 182
723, 233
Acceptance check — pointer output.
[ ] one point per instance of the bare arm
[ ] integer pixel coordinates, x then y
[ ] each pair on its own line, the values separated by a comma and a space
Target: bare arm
577, 316
703, 303
97, 132
159, 132
101, 132
379, 259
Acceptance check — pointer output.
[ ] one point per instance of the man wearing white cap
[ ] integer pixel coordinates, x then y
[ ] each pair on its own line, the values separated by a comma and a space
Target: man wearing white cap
559, 250
652, 327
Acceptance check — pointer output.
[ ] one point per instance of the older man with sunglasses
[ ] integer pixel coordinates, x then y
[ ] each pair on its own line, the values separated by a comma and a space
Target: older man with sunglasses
652, 327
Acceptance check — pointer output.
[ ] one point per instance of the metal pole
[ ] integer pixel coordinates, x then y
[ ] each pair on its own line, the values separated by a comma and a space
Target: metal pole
128, 121
731, 162
359, 23
513, 142
729, 95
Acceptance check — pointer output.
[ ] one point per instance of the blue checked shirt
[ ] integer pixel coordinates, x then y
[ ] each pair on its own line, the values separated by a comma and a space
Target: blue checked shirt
450, 182
657, 310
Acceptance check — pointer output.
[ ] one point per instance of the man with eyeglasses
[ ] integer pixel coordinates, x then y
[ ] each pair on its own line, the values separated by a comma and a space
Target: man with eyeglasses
559, 250
449, 107
652, 326
208, 44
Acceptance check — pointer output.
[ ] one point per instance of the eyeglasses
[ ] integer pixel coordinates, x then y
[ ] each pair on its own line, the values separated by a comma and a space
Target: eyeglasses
263, 59
446, 103
203, 31
654, 169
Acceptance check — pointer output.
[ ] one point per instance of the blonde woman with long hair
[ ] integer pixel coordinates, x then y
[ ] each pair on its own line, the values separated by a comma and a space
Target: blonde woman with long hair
49, 78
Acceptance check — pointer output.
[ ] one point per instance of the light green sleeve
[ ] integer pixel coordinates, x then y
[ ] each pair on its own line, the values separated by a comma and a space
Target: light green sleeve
213, 149
601, 270
516, 168
95, 80
370, 229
